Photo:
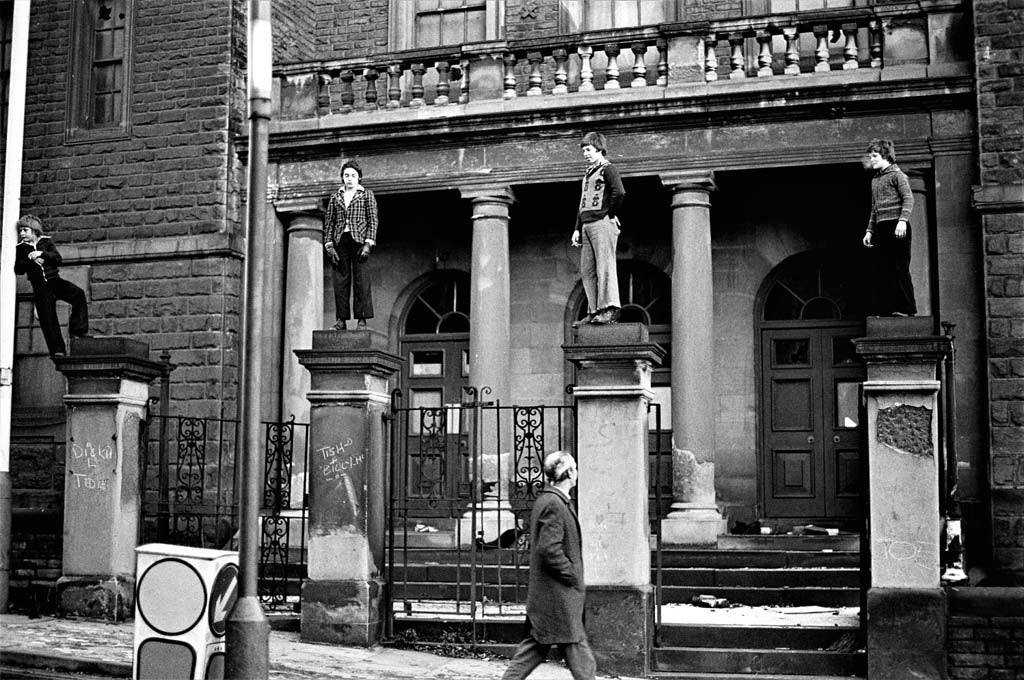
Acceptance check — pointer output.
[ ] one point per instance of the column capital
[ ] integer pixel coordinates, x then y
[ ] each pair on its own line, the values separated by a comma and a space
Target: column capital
998, 198
494, 193
304, 222
294, 207
689, 180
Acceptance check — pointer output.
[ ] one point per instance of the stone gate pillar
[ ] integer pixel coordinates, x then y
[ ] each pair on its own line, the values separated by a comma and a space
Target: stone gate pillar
906, 607
342, 599
695, 518
613, 371
108, 388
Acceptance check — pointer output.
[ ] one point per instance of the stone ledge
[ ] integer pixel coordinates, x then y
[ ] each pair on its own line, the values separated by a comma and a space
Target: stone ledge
987, 602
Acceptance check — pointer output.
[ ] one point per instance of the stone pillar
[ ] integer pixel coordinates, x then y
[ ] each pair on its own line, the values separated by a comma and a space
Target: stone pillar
906, 607
613, 371
920, 245
694, 518
490, 356
343, 597
303, 313
108, 388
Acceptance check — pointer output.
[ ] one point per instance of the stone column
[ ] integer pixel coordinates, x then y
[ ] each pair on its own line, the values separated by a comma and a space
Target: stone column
108, 388
343, 597
303, 313
905, 604
920, 245
490, 366
694, 518
613, 371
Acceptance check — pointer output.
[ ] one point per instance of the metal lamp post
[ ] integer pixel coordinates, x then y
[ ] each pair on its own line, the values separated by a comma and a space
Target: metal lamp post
248, 632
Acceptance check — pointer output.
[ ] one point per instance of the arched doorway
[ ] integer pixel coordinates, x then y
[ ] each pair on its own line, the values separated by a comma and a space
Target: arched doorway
810, 377
434, 341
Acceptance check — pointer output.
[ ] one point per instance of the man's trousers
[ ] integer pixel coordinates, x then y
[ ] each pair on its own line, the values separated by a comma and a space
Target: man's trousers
531, 654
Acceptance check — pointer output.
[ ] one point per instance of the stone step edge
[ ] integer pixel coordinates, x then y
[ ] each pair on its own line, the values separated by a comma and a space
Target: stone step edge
24, 658
672, 675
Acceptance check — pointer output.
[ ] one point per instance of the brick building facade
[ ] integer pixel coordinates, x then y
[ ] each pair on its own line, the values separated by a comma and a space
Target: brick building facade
755, 123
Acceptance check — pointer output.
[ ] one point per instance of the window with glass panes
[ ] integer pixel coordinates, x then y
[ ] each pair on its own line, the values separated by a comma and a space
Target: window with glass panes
100, 63
594, 15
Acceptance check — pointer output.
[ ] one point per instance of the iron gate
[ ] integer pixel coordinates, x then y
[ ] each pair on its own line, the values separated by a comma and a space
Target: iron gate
190, 495
462, 481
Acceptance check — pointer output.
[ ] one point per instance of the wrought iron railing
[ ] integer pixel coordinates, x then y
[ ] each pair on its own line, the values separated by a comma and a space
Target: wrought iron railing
193, 501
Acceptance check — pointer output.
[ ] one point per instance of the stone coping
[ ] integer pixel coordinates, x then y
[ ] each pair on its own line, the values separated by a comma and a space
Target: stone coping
981, 601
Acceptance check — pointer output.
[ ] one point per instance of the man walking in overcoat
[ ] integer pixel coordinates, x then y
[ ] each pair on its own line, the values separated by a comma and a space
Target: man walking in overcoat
554, 604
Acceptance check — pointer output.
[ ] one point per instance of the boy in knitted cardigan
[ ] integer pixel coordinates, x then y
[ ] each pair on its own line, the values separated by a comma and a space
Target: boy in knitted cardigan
597, 231
37, 257
891, 291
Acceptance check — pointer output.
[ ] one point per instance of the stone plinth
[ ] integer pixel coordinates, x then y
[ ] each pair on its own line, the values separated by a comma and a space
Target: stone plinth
612, 393
906, 606
342, 600
108, 387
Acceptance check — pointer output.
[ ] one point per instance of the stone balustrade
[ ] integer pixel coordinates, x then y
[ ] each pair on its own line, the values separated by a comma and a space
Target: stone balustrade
708, 52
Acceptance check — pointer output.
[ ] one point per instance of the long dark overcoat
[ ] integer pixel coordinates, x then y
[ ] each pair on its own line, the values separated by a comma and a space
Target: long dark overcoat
554, 604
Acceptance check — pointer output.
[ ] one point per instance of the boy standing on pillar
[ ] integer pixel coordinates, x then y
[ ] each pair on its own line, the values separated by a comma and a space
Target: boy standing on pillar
891, 290
38, 258
350, 232
597, 231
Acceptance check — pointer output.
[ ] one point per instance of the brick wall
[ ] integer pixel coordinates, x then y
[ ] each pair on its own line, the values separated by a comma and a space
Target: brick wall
357, 28
986, 634
142, 210
294, 26
999, 48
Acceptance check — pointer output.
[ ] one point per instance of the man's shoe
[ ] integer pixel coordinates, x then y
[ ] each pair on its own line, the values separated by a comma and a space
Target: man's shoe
339, 325
589, 318
607, 316
361, 323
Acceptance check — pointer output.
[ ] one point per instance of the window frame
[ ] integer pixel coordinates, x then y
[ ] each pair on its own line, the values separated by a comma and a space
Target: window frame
81, 91
402, 24
670, 11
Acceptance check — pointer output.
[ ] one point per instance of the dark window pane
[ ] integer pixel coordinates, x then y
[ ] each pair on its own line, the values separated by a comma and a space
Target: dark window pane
844, 351
790, 352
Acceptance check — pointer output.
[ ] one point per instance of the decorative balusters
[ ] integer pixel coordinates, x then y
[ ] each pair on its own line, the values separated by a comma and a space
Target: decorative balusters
536, 82
404, 84
370, 77
662, 46
612, 71
850, 47
510, 76
348, 95
875, 41
764, 54
323, 95
394, 85
792, 51
821, 51
418, 69
464, 81
710, 58
444, 86
639, 67
561, 56
736, 57
586, 53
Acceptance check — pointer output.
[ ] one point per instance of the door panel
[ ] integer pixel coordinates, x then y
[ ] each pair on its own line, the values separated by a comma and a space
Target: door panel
810, 447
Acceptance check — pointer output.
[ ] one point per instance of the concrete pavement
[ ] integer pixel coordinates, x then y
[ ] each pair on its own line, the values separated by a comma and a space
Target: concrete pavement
106, 649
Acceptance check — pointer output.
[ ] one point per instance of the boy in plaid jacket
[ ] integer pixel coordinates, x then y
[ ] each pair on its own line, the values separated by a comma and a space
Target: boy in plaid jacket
350, 232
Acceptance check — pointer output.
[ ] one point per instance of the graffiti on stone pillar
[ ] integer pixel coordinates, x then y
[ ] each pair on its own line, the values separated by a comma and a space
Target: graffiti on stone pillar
906, 428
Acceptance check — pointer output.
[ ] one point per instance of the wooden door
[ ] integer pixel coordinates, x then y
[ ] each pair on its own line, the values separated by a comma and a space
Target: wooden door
810, 447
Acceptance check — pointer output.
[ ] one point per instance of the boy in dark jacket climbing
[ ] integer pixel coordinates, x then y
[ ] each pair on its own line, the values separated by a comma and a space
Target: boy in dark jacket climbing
37, 257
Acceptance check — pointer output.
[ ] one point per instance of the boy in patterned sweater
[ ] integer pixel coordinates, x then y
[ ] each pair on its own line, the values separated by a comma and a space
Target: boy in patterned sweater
597, 231
891, 291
